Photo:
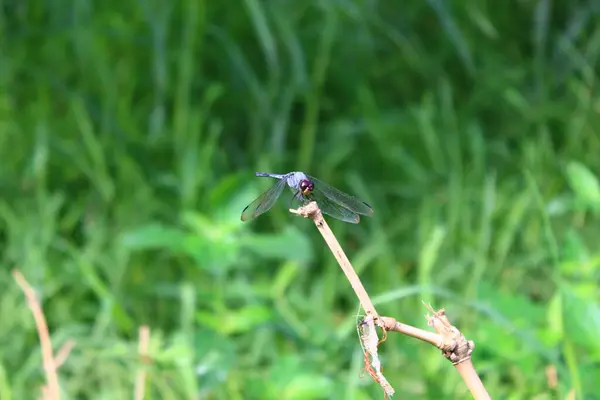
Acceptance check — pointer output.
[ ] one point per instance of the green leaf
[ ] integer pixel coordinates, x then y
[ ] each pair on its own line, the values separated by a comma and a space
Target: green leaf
513, 321
293, 378
585, 185
153, 236
581, 319
430, 253
308, 386
216, 357
213, 249
228, 200
291, 244
242, 320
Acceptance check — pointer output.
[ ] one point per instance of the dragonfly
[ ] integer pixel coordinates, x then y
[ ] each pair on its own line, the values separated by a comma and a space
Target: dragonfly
306, 188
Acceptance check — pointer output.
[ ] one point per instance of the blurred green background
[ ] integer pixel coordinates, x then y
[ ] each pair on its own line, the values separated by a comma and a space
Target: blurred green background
129, 135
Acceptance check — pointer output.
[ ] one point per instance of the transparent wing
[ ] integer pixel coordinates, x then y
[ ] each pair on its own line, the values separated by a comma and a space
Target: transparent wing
263, 202
345, 200
335, 210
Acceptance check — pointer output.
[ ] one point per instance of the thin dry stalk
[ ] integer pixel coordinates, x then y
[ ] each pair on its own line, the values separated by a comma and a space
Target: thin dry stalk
140, 379
312, 211
390, 324
63, 353
469, 376
52, 389
552, 376
455, 347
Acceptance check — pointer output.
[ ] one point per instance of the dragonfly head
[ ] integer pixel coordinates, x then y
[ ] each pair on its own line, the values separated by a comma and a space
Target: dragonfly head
306, 186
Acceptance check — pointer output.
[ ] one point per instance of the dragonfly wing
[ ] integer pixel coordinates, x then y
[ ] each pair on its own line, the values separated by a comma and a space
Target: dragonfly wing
263, 202
334, 209
337, 196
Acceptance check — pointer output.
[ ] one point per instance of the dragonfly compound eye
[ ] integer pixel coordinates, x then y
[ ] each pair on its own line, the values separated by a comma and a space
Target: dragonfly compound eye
306, 186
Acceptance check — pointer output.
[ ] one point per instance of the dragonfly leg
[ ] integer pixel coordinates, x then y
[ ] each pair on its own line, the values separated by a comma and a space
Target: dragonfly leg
293, 198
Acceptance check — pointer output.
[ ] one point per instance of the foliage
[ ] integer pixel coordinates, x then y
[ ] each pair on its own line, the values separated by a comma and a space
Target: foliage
129, 135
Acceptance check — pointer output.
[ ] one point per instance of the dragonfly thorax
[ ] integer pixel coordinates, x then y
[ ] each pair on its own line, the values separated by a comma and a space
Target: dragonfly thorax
294, 179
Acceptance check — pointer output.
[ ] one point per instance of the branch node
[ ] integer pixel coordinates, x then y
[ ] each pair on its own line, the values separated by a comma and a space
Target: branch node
455, 347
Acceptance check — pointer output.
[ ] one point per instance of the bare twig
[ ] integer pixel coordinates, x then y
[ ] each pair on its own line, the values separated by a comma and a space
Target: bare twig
140, 380
552, 376
390, 324
313, 212
469, 376
52, 389
455, 347
63, 353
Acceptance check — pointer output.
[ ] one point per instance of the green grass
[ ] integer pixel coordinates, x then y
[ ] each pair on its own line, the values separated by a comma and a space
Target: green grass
129, 133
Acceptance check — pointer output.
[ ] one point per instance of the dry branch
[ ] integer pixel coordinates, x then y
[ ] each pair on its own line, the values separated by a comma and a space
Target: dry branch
51, 391
143, 344
312, 211
63, 353
455, 347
